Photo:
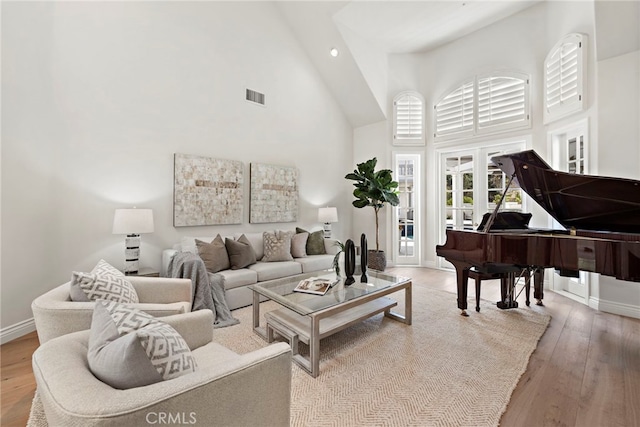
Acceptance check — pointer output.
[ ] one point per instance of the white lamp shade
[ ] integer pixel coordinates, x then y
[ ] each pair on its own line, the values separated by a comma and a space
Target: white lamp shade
133, 221
328, 215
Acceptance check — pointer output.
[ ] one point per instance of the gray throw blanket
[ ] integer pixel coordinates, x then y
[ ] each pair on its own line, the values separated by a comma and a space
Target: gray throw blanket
208, 288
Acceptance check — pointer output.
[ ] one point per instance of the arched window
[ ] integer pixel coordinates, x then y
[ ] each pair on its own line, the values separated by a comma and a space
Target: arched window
564, 77
484, 104
408, 119
454, 112
503, 101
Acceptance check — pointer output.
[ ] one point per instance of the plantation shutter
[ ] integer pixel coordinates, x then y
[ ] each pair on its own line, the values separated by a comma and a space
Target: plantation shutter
563, 70
502, 100
454, 113
408, 118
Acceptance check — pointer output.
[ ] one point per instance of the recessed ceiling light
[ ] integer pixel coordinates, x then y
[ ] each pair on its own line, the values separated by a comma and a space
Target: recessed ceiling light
334, 52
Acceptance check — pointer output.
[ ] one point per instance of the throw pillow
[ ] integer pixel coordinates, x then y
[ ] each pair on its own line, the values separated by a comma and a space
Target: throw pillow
214, 254
129, 348
299, 245
104, 282
277, 246
315, 242
241, 254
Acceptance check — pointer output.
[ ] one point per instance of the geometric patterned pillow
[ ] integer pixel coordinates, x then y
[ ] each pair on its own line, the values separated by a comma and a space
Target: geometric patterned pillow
277, 246
129, 348
104, 282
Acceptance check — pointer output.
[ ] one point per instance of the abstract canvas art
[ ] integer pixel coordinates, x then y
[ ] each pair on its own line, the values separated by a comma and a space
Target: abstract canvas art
207, 191
274, 194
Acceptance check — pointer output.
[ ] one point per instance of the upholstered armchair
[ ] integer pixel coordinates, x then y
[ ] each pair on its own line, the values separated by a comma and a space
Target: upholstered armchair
226, 389
56, 314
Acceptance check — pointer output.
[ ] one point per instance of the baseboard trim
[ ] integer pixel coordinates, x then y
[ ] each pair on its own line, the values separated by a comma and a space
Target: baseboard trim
17, 330
615, 307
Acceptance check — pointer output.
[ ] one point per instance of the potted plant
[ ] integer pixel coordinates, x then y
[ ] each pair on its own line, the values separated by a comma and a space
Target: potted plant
375, 189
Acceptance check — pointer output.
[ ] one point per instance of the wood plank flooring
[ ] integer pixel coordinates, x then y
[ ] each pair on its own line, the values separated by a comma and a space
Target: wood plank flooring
585, 371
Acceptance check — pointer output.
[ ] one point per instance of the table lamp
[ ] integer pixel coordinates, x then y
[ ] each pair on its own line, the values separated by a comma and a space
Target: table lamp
327, 216
132, 222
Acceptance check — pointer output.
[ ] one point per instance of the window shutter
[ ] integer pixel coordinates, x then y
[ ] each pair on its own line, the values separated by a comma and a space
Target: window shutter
454, 113
502, 100
564, 80
408, 117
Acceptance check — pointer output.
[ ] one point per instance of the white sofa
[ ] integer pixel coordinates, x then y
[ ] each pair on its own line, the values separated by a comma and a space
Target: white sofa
252, 389
236, 281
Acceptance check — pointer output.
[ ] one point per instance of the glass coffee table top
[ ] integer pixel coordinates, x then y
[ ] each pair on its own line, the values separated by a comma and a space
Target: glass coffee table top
281, 290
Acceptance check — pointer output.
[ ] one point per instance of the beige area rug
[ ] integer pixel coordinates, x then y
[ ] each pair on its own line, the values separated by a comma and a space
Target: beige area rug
444, 370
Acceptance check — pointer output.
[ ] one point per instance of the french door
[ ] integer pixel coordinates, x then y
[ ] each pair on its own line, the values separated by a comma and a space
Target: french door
569, 148
470, 186
406, 216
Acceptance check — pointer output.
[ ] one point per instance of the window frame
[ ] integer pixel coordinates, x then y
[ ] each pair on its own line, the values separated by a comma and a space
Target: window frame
476, 129
409, 140
577, 103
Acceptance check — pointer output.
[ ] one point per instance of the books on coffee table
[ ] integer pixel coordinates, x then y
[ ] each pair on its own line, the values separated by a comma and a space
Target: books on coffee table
315, 285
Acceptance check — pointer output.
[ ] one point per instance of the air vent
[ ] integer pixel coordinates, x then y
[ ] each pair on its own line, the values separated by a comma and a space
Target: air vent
255, 97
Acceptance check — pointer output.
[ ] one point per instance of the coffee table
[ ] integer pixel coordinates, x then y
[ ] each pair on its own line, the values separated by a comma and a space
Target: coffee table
309, 318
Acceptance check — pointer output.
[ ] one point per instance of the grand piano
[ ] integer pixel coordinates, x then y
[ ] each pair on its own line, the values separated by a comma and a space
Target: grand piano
601, 217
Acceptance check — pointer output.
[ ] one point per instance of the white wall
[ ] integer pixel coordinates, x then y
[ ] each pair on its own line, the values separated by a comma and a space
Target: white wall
618, 154
97, 98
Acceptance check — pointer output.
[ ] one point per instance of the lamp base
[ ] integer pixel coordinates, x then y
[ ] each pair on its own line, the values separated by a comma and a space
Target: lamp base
327, 230
131, 254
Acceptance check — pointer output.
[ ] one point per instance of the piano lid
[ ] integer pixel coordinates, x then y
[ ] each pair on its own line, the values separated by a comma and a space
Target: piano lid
584, 202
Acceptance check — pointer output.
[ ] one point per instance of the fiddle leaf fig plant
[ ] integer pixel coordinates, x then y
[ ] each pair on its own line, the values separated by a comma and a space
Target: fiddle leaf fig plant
373, 188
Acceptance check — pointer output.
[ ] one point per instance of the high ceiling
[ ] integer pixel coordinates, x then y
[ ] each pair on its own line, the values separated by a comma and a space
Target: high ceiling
418, 26
365, 32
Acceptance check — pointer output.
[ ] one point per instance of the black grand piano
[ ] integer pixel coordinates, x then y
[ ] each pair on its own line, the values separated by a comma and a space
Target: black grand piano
601, 216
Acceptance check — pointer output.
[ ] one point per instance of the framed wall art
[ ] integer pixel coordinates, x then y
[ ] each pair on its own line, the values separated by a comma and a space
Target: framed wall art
207, 191
274, 194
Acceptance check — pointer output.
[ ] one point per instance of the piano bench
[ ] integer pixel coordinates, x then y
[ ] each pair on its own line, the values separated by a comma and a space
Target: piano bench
503, 275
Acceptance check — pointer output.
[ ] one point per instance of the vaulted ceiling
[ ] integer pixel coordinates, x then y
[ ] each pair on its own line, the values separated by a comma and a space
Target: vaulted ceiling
365, 32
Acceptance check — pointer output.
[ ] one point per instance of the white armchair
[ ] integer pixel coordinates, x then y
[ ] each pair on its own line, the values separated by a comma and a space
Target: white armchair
55, 314
227, 388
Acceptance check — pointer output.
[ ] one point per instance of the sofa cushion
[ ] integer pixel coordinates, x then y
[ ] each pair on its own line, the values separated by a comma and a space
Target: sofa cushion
315, 242
213, 355
104, 282
239, 278
315, 263
130, 348
277, 246
275, 270
241, 253
299, 245
214, 254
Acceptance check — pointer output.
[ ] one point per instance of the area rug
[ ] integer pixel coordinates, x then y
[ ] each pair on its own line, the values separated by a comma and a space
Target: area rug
443, 370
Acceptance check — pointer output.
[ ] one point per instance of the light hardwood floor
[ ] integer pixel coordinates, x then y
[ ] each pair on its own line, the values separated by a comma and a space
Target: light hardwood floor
584, 372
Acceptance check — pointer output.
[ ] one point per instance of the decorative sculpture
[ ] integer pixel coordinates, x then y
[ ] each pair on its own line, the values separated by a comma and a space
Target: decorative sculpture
349, 262
363, 258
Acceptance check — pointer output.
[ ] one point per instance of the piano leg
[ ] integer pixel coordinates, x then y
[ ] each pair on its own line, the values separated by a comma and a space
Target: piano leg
507, 292
462, 276
538, 285
527, 285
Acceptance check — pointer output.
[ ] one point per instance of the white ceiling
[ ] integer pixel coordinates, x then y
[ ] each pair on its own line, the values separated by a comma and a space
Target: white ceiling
387, 26
418, 26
